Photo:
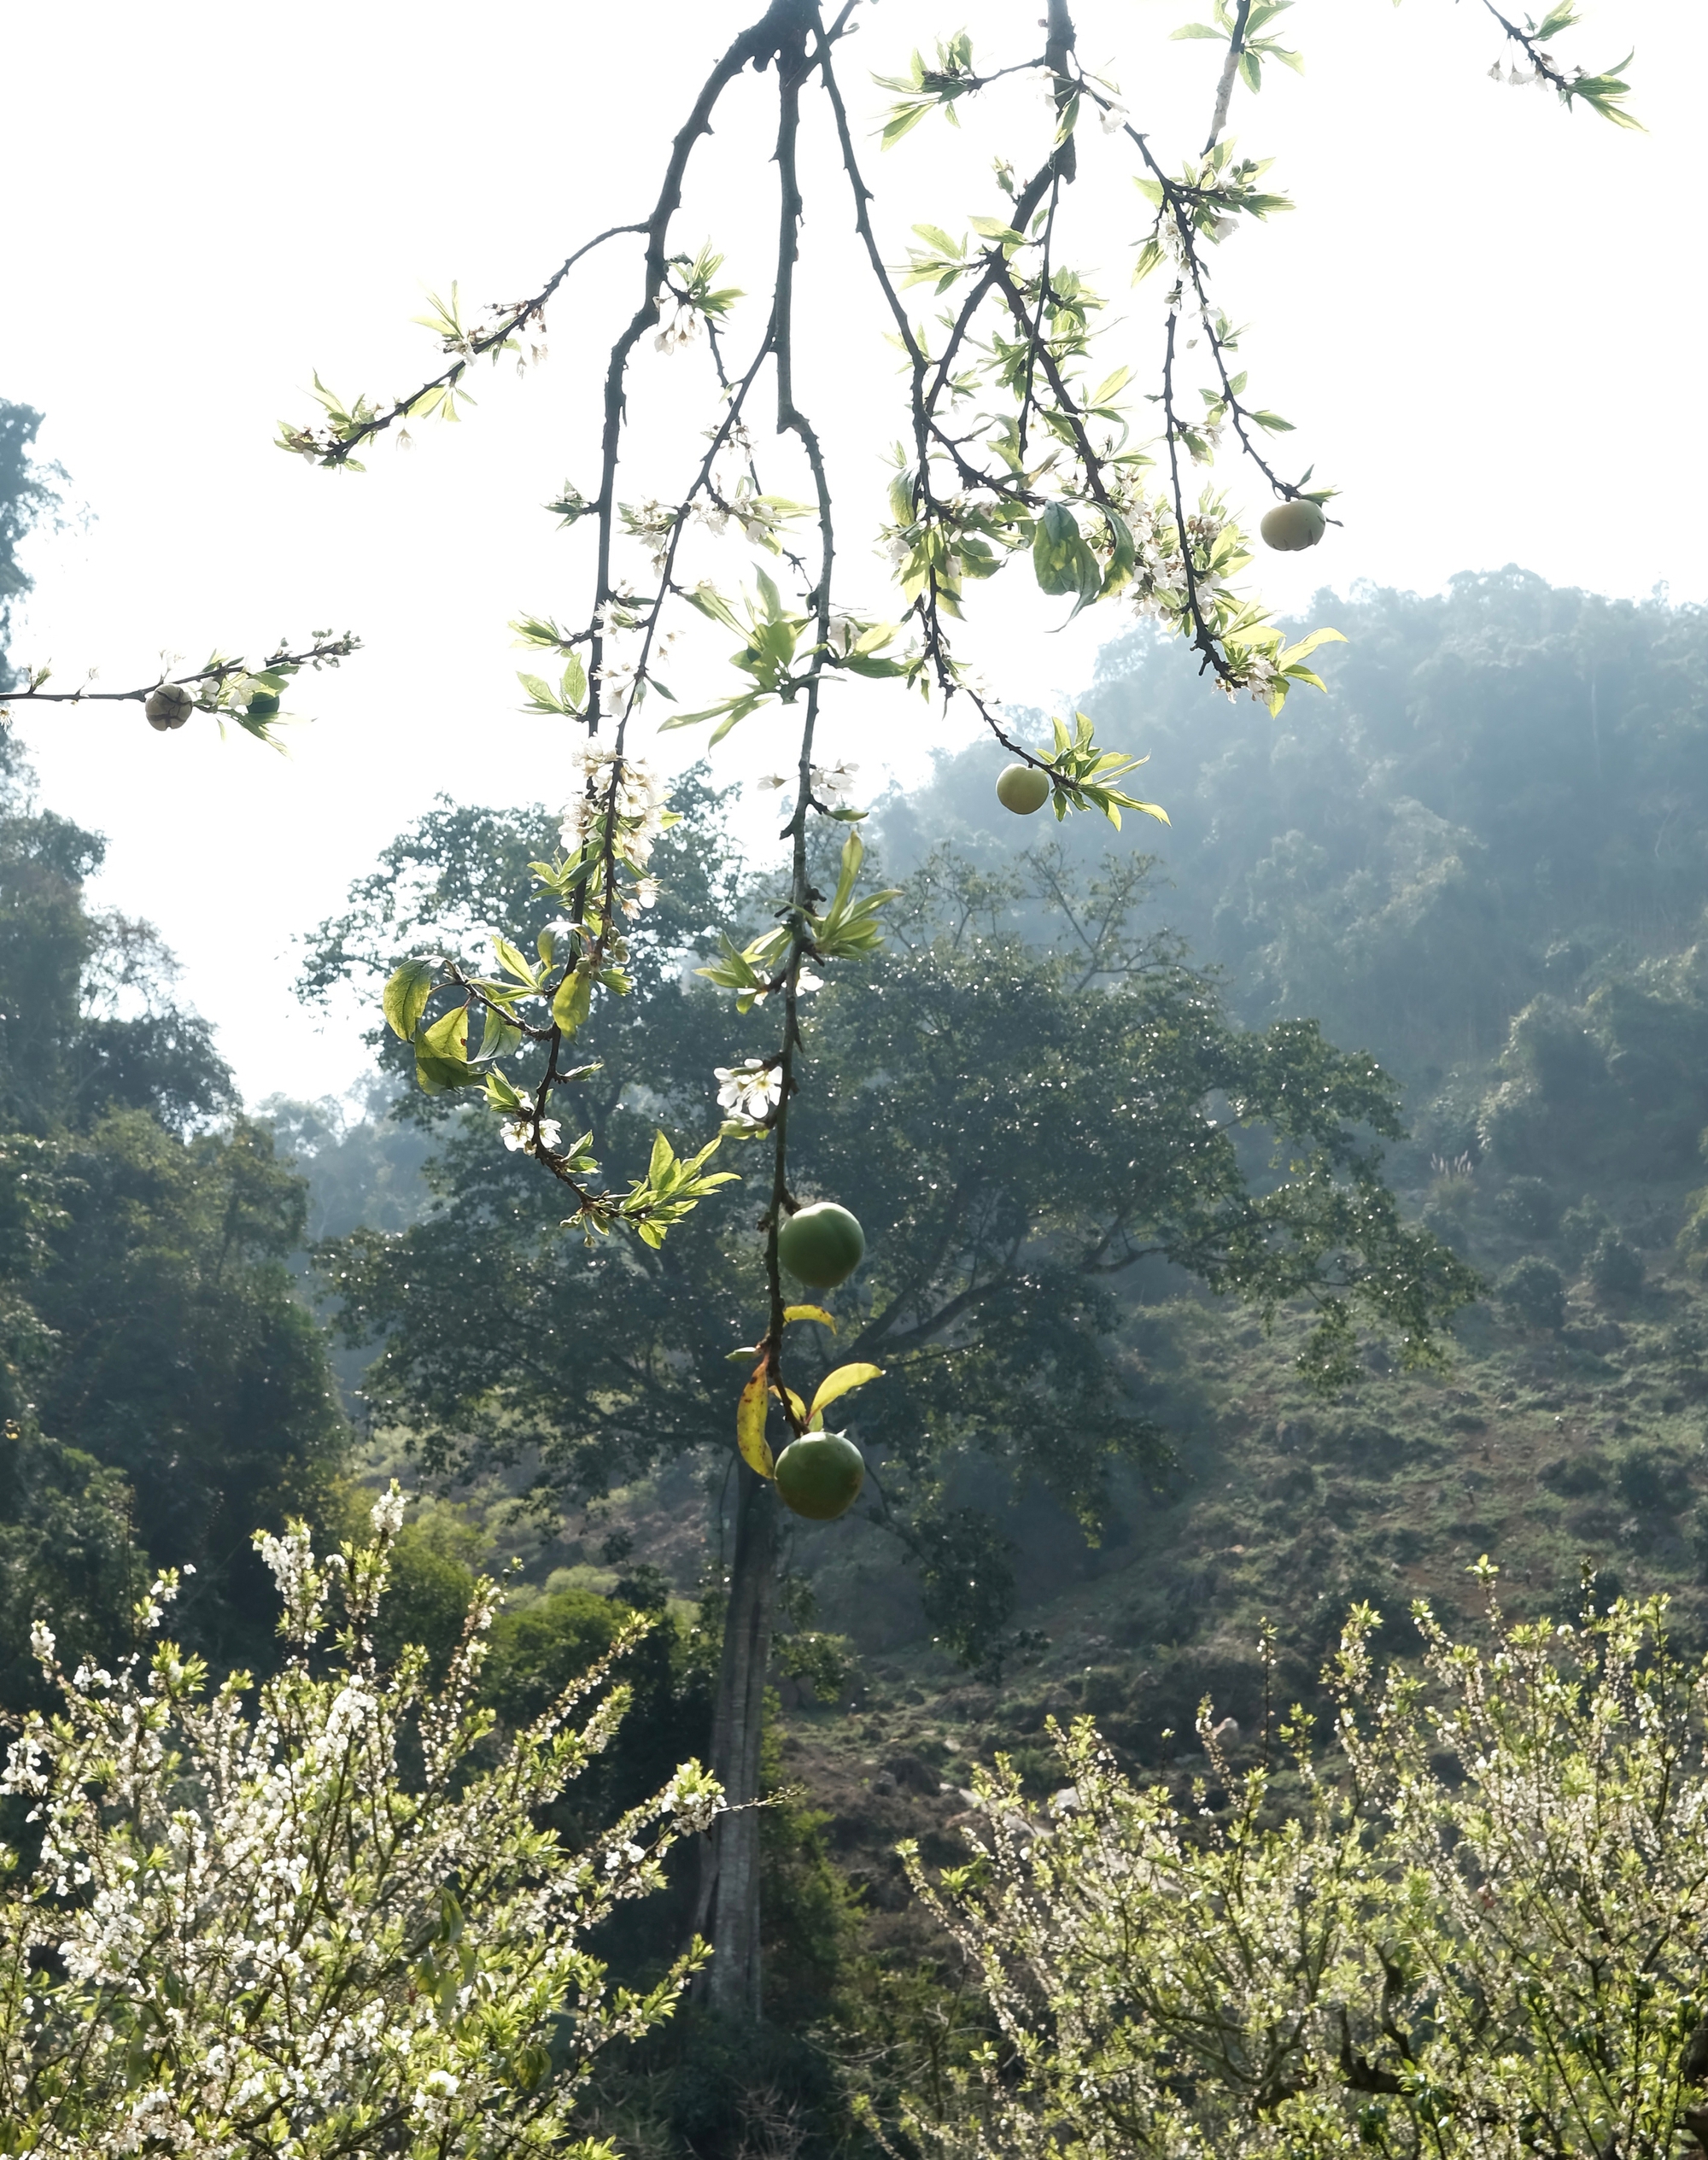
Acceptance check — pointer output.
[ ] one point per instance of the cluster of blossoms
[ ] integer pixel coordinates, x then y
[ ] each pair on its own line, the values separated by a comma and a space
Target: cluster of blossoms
832, 785
1477, 1931
1524, 77
757, 518
243, 1933
749, 1091
682, 329
528, 1134
639, 806
1159, 575
652, 524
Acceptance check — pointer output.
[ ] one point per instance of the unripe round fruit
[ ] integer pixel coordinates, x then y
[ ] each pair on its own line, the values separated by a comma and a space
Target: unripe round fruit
1022, 788
822, 1245
263, 705
1292, 525
169, 706
820, 1476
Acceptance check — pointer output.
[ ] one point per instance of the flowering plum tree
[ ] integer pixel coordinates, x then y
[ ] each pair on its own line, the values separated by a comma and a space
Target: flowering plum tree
320, 1923
1016, 446
1482, 1928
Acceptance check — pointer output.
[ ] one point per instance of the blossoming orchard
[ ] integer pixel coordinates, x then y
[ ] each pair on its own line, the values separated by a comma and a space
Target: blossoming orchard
1031, 443
326, 1924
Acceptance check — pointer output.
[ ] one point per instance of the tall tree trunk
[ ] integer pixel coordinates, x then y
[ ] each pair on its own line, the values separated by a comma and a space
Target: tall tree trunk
728, 1906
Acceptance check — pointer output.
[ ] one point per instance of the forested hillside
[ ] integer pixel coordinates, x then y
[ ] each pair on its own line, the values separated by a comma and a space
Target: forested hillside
1483, 858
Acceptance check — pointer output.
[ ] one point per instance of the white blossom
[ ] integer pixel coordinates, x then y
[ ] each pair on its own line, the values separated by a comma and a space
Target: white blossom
1485, 1906
749, 1091
833, 784
387, 1513
682, 329
256, 1881
639, 805
529, 1135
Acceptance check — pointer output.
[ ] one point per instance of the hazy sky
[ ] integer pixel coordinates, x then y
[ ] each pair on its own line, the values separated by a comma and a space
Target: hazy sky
1479, 319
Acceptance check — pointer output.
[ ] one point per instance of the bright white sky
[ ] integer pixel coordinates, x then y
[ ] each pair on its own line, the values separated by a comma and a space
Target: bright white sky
1478, 319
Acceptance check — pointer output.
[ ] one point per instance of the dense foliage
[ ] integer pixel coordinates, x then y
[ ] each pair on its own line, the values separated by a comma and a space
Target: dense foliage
1484, 843
163, 1388
1050, 1124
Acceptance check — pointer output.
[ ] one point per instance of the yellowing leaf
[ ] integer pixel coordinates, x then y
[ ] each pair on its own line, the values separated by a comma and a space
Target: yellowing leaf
795, 1403
809, 1312
750, 1424
842, 1382
407, 994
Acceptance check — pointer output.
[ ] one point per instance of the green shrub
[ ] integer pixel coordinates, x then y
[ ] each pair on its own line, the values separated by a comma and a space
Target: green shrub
1532, 1291
1615, 1267
1528, 1207
1580, 1228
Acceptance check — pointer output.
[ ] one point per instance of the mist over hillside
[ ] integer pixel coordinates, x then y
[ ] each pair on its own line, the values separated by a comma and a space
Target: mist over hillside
1482, 855
1498, 815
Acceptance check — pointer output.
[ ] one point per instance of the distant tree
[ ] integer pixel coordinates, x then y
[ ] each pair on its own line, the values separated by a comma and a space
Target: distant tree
1529, 1206
1615, 1267
180, 1356
163, 1388
1048, 1119
29, 491
92, 1019
1534, 1292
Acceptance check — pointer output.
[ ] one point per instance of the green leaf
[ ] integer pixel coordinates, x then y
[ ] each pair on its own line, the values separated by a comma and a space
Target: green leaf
499, 1036
940, 240
711, 602
501, 1093
573, 1000
406, 995
843, 1381
516, 961
1307, 645
902, 119
442, 1061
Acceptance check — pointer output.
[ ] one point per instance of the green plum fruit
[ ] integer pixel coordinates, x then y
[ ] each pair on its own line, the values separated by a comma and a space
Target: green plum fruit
820, 1476
1292, 525
822, 1245
1022, 789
